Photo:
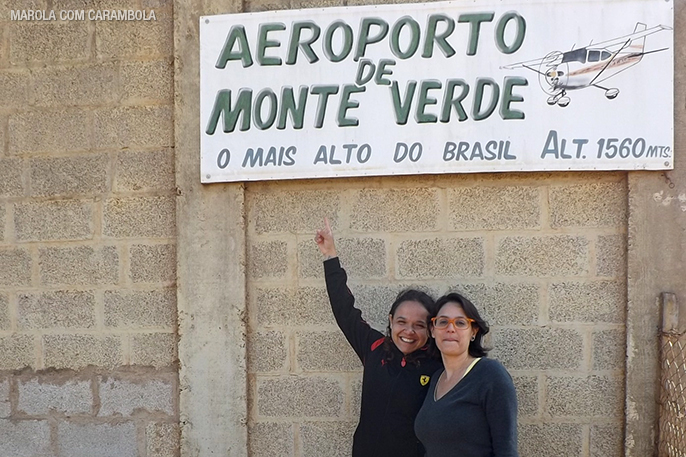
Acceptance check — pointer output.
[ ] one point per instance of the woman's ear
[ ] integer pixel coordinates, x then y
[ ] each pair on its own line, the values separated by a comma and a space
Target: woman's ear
390, 321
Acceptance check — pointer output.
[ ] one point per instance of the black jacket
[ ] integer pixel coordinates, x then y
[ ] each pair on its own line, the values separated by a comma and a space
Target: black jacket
392, 391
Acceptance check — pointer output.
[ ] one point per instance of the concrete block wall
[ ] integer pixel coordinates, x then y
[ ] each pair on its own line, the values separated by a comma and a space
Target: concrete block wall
87, 233
541, 255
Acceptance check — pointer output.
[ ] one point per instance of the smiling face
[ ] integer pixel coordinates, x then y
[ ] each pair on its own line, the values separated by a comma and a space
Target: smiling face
451, 340
409, 326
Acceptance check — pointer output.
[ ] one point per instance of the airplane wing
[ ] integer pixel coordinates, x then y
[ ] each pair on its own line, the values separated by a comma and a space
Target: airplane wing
529, 63
632, 36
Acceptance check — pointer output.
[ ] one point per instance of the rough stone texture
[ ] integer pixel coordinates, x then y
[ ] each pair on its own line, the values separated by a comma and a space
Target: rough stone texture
130, 127
4, 398
144, 171
39, 398
49, 41
59, 309
279, 306
607, 440
356, 397
609, 349
503, 304
588, 205
325, 351
267, 351
66, 131
494, 208
102, 440
147, 81
611, 256
10, 173
594, 396
140, 308
395, 210
129, 39
85, 175
293, 211
153, 217
559, 440
559, 255
15, 267
16, 352
13, 88
295, 397
84, 265
120, 397
26, 438
4, 312
88, 85
55, 220
361, 257
316, 3
268, 259
439, 258
2, 222
78, 351
162, 440
527, 395
598, 301
153, 349
538, 349
270, 439
332, 439
265, 5
153, 263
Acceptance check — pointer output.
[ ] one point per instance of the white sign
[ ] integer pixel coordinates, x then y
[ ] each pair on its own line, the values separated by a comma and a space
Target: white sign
449, 87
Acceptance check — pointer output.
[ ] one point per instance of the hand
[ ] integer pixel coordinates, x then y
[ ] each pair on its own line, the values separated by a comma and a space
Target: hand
324, 240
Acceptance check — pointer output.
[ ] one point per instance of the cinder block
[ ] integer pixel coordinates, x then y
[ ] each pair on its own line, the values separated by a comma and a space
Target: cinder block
153, 263
527, 395
85, 175
144, 171
592, 396
10, 174
59, 309
24, 438
49, 41
611, 255
153, 349
270, 439
16, 352
121, 397
4, 398
98, 4
148, 81
293, 211
325, 351
267, 351
266, 5
588, 205
162, 439
597, 301
558, 255
153, 217
439, 258
102, 440
356, 397
375, 302
332, 439
559, 440
288, 307
538, 348
13, 88
503, 304
494, 208
395, 210
83, 265
131, 127
15, 267
40, 398
607, 440
3, 215
268, 259
66, 131
140, 308
3, 119
296, 397
135, 39
609, 349
76, 86
78, 351
316, 3
54, 220
361, 257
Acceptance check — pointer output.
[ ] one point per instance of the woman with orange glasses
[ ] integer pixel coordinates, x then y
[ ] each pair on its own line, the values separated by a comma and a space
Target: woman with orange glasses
471, 407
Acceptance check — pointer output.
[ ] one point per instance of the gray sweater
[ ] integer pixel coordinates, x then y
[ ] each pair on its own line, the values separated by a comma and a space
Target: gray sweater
476, 418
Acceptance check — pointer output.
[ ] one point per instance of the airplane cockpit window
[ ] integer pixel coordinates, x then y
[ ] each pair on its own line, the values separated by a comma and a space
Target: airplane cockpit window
593, 56
604, 55
578, 55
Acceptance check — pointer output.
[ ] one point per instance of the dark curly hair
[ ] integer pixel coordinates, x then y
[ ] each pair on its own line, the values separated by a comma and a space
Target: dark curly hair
476, 348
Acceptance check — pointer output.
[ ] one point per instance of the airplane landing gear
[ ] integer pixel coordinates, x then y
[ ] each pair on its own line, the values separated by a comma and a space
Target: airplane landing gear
611, 94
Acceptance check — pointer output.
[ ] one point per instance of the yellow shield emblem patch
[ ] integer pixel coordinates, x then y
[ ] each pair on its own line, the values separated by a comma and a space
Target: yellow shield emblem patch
424, 379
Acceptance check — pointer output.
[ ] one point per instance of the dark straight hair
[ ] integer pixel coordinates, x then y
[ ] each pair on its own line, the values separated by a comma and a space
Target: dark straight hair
429, 350
476, 348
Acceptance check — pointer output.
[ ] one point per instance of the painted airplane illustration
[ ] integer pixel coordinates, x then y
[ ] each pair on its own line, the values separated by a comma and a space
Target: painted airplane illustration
559, 72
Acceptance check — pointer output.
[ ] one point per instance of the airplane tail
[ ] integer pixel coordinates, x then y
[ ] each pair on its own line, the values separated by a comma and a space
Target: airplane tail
638, 45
